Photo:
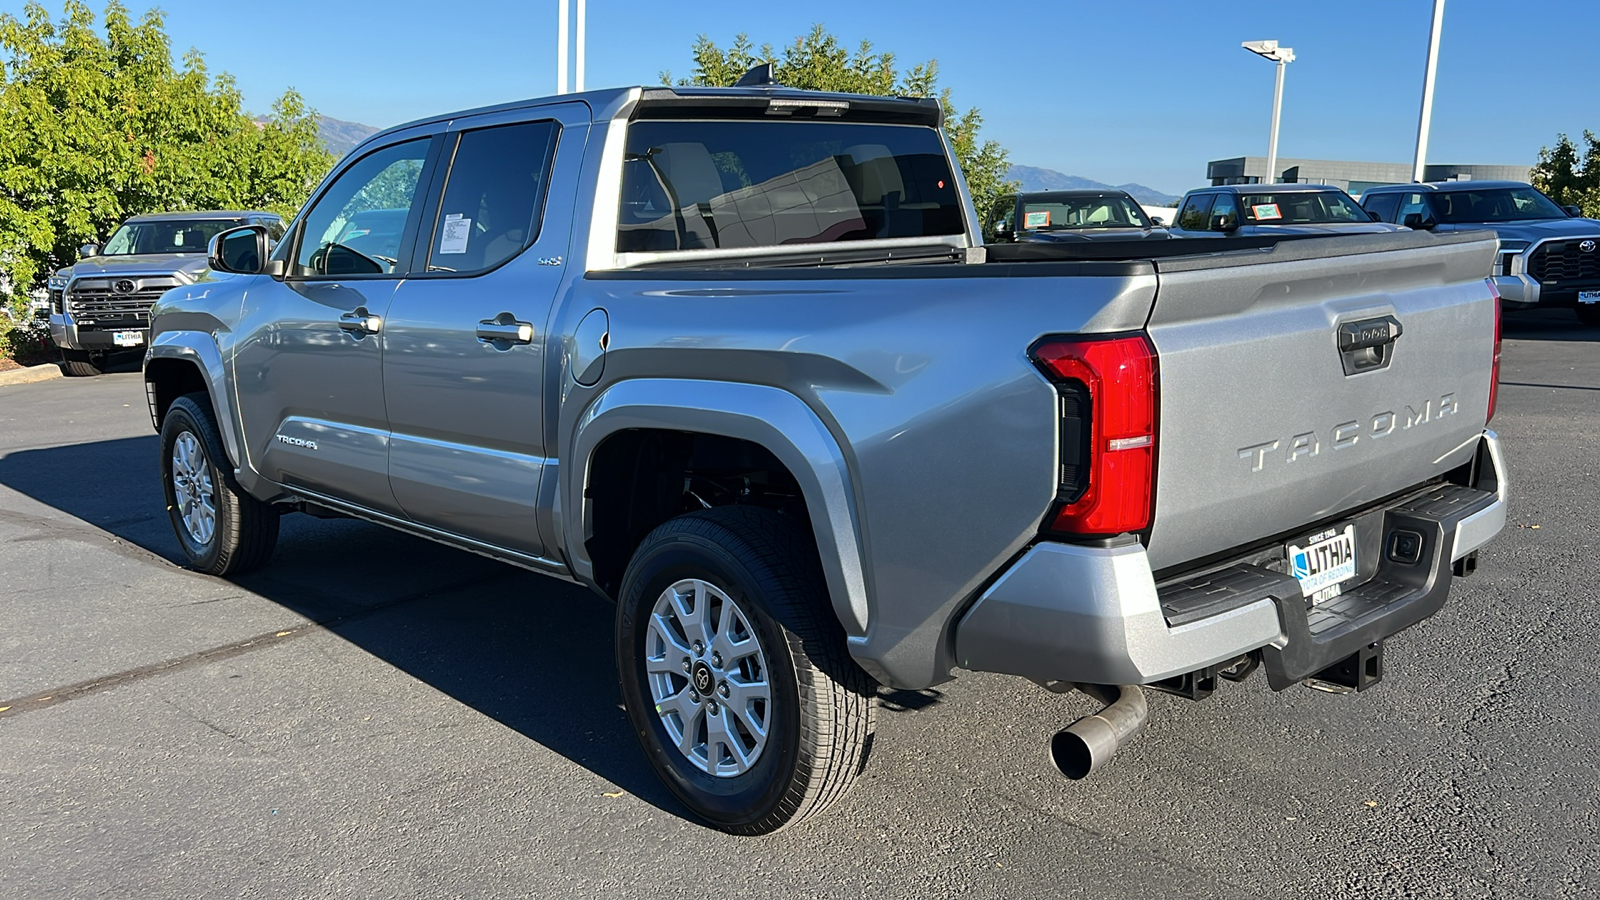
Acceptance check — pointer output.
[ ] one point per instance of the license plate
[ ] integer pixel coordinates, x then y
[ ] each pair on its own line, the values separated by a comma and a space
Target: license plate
1589, 296
127, 338
1327, 560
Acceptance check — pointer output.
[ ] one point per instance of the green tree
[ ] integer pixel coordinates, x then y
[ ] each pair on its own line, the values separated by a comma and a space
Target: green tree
1568, 177
819, 62
100, 124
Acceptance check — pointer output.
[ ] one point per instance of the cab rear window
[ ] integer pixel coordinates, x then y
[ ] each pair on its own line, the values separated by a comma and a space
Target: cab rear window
691, 185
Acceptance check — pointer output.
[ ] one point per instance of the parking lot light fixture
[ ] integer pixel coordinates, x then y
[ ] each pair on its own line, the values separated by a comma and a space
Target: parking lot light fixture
1282, 56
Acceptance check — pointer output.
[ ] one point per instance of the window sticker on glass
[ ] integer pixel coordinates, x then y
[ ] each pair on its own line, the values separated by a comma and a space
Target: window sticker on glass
454, 234
1040, 219
1266, 211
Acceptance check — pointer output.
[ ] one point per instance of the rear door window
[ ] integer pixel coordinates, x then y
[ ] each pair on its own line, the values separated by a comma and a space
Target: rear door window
493, 194
691, 185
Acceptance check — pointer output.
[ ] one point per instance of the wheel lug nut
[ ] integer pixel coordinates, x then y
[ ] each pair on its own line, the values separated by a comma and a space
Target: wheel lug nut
711, 708
694, 696
723, 689
716, 660
686, 663
699, 648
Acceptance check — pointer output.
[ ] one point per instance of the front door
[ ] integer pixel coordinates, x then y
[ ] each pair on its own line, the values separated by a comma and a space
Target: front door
465, 347
309, 359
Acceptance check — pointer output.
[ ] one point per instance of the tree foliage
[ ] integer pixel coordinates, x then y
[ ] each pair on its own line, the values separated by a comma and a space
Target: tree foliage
100, 125
1568, 177
819, 62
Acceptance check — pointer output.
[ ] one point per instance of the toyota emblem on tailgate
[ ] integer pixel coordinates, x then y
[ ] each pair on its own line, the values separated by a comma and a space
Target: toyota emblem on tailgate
123, 287
1587, 246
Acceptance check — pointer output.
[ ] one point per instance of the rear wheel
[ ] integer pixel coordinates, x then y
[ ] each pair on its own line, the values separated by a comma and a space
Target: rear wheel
222, 529
735, 673
1589, 314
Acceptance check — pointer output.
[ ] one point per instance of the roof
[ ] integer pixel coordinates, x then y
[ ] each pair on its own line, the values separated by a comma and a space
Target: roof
200, 214
1069, 193
1288, 188
918, 109
1447, 186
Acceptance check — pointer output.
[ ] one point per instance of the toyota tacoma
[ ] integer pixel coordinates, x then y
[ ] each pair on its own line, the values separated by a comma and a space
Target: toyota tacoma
739, 360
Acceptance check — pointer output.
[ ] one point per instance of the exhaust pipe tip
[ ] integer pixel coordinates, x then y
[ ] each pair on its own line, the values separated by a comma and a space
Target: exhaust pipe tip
1081, 748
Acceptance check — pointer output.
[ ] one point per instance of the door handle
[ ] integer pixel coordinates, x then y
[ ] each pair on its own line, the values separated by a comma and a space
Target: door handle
360, 322
505, 330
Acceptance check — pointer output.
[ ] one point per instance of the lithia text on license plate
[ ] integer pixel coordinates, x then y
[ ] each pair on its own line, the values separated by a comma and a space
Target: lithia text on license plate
1324, 562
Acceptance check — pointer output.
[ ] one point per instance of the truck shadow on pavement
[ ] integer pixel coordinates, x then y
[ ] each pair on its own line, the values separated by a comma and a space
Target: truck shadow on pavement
1546, 325
528, 651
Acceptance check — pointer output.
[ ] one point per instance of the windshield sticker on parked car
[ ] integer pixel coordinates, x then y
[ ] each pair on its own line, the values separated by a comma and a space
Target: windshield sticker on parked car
1040, 219
1266, 211
454, 234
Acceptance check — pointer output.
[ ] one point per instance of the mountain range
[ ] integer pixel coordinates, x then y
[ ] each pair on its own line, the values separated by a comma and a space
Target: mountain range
1036, 179
340, 136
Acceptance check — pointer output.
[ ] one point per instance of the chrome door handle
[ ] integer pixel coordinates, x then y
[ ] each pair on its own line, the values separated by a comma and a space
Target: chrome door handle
503, 329
361, 322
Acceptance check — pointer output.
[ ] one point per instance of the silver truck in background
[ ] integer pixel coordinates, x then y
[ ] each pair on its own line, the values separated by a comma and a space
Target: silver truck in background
100, 306
738, 359
1549, 255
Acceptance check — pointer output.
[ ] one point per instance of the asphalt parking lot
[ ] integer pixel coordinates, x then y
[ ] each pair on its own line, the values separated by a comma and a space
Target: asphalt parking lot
373, 715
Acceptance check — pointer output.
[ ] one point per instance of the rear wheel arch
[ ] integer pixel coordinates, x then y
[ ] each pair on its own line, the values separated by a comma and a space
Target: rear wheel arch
640, 429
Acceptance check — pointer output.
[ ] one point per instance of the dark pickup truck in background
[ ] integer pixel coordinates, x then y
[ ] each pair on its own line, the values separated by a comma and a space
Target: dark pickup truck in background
1050, 217
1549, 254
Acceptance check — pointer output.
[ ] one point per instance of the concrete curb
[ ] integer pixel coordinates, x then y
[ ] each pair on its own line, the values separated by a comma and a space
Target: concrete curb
30, 374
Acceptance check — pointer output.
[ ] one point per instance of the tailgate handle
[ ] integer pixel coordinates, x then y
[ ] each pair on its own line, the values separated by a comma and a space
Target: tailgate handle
1368, 345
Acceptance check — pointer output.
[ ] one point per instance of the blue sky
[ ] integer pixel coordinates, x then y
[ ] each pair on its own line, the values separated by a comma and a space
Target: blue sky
1115, 90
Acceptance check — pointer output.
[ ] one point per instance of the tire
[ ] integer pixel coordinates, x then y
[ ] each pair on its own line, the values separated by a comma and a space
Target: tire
81, 366
818, 711
1589, 314
240, 531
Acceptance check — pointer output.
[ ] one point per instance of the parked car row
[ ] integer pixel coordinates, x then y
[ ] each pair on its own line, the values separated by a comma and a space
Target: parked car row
1549, 254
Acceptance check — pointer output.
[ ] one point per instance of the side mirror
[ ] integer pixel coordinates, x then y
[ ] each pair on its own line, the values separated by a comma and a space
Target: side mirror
1224, 222
1374, 216
1417, 222
1574, 211
88, 250
1158, 222
1002, 236
243, 251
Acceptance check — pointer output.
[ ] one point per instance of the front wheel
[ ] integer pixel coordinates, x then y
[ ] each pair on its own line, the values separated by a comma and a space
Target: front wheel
223, 530
735, 673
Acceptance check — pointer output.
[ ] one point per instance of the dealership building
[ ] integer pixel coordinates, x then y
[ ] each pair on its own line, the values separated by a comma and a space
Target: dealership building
1353, 177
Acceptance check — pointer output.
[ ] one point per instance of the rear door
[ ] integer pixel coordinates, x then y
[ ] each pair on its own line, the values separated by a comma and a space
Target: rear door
1267, 426
465, 344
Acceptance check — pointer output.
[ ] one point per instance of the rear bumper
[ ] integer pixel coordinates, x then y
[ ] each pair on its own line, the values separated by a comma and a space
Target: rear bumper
1095, 615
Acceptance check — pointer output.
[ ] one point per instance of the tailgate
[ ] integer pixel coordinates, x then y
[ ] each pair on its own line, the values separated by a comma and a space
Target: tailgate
1262, 431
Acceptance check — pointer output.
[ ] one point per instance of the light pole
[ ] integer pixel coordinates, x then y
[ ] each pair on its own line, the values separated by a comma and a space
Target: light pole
1426, 118
1282, 56
561, 46
564, 41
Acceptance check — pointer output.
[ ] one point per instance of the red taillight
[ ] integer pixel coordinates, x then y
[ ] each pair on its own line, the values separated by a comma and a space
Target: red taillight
1494, 376
1120, 376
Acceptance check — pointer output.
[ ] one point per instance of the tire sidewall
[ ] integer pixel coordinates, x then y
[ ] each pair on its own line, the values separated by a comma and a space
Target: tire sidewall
745, 798
181, 418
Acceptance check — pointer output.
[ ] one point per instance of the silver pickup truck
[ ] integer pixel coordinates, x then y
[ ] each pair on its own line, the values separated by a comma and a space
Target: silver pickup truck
738, 360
